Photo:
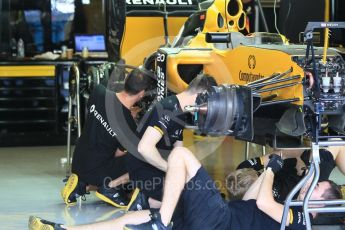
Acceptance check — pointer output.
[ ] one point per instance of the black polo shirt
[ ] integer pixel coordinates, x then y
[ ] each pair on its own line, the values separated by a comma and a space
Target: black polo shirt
245, 215
99, 139
167, 118
287, 178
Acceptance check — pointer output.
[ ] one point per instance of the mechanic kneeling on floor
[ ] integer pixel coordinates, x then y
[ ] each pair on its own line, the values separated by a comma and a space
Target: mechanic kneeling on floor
99, 158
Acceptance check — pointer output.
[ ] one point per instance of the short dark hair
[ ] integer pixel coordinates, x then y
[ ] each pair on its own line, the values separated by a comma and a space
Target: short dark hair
333, 192
201, 83
137, 80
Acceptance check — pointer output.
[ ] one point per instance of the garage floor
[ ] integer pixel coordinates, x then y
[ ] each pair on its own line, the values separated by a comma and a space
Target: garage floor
31, 179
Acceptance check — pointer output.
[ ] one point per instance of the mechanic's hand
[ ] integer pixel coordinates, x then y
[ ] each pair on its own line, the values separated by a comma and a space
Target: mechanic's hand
276, 163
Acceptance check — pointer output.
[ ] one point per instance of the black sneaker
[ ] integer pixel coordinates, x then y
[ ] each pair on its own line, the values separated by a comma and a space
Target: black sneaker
114, 196
155, 223
36, 223
73, 189
138, 202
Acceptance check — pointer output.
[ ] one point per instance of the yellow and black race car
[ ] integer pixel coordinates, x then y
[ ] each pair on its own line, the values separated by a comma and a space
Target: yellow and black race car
301, 87
274, 92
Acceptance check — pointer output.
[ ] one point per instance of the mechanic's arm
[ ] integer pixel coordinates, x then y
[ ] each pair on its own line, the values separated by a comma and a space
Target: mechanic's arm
291, 153
265, 200
253, 191
178, 144
147, 148
268, 161
120, 153
124, 179
259, 163
338, 153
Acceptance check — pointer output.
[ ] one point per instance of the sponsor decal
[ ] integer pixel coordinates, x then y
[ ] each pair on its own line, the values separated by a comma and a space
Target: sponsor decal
158, 2
103, 122
301, 218
275, 193
249, 77
252, 162
329, 24
177, 133
251, 62
161, 78
166, 118
162, 123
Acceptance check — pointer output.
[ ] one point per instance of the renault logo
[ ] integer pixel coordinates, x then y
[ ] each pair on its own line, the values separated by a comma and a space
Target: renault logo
251, 62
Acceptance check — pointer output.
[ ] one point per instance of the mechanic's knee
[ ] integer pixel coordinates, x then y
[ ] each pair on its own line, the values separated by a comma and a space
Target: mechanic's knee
178, 154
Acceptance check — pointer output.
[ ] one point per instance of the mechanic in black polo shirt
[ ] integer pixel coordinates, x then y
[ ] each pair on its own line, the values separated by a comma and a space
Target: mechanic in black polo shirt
294, 168
98, 156
162, 130
204, 207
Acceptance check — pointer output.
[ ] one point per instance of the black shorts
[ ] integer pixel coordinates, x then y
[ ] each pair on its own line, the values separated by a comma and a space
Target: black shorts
109, 170
146, 177
204, 208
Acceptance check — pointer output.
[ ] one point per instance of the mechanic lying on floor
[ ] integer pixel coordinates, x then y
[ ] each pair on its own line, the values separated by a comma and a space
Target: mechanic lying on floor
296, 162
204, 207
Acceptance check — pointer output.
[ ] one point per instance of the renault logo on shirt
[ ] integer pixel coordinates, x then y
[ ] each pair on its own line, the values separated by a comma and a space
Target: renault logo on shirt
101, 120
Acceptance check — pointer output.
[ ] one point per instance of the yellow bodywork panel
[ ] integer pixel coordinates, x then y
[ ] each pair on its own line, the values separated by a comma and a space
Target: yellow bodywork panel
219, 19
28, 71
238, 66
144, 35
175, 83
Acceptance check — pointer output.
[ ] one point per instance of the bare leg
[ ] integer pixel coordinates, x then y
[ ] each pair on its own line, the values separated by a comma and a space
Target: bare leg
291, 153
182, 166
154, 203
119, 181
338, 153
340, 161
90, 188
129, 218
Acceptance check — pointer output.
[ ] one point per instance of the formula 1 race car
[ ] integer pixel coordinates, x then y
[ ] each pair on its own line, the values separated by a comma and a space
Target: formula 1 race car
274, 92
292, 95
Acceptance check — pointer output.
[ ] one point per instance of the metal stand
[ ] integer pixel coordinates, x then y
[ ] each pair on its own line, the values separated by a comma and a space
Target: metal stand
246, 152
259, 11
315, 163
73, 111
263, 150
313, 171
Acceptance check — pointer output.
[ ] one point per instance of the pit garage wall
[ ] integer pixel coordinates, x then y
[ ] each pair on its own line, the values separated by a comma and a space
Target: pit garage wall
144, 27
291, 22
145, 33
